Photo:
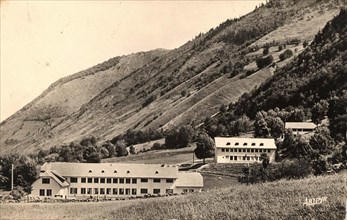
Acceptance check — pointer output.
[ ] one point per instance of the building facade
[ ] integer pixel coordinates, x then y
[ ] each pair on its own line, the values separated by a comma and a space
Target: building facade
301, 128
107, 180
243, 150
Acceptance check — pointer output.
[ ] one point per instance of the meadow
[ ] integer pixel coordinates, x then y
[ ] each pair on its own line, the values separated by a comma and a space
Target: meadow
276, 200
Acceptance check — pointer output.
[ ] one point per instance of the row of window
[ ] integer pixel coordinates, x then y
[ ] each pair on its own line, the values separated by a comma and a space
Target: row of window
245, 150
113, 191
48, 192
302, 130
110, 180
252, 158
244, 144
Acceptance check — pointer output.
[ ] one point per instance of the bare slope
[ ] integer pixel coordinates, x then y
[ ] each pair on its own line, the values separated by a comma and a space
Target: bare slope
181, 86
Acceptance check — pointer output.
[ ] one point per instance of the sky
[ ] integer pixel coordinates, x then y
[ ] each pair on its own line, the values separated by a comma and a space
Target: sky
43, 41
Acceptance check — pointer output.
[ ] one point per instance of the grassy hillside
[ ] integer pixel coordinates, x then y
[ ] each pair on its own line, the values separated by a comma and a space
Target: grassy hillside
179, 87
277, 200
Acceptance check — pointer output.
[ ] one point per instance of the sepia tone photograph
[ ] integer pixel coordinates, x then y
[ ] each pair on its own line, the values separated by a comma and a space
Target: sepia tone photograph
163, 109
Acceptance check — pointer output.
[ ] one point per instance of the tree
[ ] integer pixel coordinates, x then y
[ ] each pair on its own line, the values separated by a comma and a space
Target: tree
322, 141
204, 147
266, 51
265, 160
264, 61
24, 173
276, 126
242, 125
261, 128
286, 54
121, 149
319, 110
94, 158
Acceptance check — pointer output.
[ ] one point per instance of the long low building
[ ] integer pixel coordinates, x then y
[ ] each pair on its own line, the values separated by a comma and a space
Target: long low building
86, 180
243, 150
301, 128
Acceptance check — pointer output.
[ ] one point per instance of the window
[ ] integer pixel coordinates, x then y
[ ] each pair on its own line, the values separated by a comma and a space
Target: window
260, 150
231, 157
228, 143
256, 150
42, 192
109, 180
248, 158
90, 171
156, 191
102, 171
244, 150
45, 180
252, 150
223, 149
244, 144
248, 150
261, 144
169, 180
83, 190
253, 144
73, 191
227, 150
90, 180
235, 157
102, 180
127, 191
169, 191
73, 179
121, 191
115, 191
232, 150
237, 144
191, 190
102, 191
115, 180
227, 156
133, 191
185, 190
144, 191
268, 150
96, 180
83, 180
115, 171
240, 150
49, 192
156, 180
89, 191
144, 180
108, 191
96, 191
128, 171
121, 180
127, 180
134, 181
244, 158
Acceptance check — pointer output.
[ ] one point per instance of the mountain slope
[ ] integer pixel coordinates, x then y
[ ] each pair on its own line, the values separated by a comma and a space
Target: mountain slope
180, 87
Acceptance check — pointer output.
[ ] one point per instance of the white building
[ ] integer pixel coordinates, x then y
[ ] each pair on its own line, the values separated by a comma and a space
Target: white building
301, 128
85, 180
243, 150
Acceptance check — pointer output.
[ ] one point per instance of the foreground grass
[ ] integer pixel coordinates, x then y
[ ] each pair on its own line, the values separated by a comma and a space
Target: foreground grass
277, 200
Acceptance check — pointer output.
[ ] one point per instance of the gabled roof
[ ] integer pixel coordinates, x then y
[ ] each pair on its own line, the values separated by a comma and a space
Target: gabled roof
189, 180
112, 170
300, 125
59, 179
251, 143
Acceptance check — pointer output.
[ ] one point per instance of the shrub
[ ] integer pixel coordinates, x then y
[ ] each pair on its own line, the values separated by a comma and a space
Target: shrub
264, 61
286, 54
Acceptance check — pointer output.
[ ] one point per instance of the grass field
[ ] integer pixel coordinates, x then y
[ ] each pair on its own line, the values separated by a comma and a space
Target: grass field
176, 156
276, 200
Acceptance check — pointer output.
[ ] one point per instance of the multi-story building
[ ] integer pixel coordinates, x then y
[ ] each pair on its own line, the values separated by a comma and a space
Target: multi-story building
86, 180
301, 128
243, 150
